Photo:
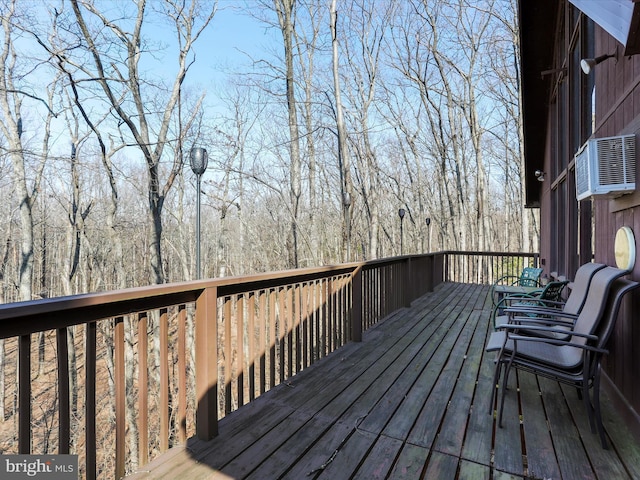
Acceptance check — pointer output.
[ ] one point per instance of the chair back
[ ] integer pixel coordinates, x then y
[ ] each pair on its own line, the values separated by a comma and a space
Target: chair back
552, 291
580, 287
596, 302
592, 313
530, 277
618, 290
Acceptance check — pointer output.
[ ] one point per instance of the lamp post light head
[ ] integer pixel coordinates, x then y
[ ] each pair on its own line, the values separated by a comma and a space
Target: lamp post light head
428, 221
401, 213
199, 160
346, 199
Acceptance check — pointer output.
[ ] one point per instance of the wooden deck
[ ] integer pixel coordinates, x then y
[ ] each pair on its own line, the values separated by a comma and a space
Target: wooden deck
409, 401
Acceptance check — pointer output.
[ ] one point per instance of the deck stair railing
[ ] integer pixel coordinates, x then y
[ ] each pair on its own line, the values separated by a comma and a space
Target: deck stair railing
123, 376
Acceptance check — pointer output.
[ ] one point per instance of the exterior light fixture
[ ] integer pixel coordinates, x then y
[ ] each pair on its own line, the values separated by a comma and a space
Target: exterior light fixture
199, 159
428, 222
401, 213
587, 64
539, 175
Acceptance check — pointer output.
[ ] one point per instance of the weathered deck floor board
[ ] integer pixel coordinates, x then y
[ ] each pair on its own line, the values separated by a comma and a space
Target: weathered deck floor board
410, 401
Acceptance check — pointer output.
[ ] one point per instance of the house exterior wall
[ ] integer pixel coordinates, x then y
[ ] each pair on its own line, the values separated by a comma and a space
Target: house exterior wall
572, 232
618, 113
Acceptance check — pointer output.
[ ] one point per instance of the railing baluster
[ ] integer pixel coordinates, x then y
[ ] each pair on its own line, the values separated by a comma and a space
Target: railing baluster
24, 394
228, 383
333, 305
282, 334
297, 326
143, 391
119, 380
290, 322
307, 324
316, 306
90, 399
64, 412
272, 337
356, 305
182, 373
262, 339
251, 340
344, 310
164, 380
240, 340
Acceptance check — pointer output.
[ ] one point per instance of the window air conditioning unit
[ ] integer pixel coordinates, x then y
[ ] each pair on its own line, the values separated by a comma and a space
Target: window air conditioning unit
606, 167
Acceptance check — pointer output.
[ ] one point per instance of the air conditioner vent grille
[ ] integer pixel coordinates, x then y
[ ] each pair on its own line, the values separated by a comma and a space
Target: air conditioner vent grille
606, 166
614, 166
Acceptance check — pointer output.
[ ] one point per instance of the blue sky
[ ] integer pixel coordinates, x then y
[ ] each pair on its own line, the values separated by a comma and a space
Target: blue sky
231, 35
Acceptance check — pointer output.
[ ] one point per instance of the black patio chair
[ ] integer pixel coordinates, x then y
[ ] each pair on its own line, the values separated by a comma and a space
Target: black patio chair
570, 308
577, 360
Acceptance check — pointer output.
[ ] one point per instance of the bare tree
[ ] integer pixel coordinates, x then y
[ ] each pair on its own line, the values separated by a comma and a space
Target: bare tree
20, 145
365, 25
286, 11
308, 42
344, 164
124, 86
29, 158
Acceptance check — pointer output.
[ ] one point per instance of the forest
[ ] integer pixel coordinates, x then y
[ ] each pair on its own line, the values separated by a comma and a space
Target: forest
352, 130
353, 110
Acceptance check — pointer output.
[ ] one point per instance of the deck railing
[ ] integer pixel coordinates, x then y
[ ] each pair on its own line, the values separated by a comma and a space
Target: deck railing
485, 267
158, 364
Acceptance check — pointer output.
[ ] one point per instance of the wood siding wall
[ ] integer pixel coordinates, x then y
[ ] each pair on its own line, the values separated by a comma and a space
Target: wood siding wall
617, 113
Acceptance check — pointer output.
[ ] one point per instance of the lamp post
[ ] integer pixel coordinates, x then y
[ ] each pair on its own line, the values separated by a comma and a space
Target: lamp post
346, 202
428, 234
401, 213
199, 159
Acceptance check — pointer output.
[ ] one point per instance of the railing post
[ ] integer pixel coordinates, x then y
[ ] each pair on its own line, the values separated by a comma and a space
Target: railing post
429, 274
408, 286
356, 307
206, 330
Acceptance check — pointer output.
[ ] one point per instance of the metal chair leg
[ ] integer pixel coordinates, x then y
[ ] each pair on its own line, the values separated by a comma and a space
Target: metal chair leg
505, 379
596, 407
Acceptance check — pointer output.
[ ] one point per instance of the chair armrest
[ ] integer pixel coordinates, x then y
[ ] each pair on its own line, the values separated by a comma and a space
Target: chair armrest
549, 321
558, 342
515, 328
545, 321
504, 278
553, 303
537, 310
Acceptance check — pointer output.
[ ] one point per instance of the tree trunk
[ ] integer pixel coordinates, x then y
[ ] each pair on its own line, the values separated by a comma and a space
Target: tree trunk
286, 16
344, 166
